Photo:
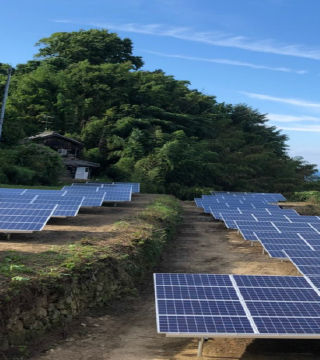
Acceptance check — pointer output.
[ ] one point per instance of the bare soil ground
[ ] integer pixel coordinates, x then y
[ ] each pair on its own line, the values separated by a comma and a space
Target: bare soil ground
127, 329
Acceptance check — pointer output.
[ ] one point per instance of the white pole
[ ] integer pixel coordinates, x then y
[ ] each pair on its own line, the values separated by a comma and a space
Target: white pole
5, 96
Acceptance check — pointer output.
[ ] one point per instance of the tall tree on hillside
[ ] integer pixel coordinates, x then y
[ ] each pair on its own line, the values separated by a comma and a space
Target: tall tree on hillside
96, 46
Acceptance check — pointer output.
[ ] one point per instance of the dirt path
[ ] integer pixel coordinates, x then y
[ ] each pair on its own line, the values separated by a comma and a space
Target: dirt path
128, 331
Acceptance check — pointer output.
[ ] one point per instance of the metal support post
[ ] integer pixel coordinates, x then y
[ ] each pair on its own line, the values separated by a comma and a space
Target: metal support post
200, 347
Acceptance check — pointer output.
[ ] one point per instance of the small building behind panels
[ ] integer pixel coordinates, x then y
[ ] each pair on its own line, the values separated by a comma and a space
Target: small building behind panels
71, 152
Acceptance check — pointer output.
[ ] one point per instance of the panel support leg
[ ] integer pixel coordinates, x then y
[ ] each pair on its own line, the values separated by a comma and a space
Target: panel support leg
200, 347
115, 204
8, 236
251, 243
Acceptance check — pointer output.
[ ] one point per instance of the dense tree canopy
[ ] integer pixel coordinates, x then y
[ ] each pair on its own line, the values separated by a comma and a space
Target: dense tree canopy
145, 126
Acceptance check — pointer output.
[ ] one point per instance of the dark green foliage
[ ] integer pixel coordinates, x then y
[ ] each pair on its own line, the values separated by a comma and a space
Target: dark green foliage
29, 165
145, 126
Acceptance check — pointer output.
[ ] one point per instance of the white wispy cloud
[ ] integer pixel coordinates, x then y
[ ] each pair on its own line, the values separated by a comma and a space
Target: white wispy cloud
296, 102
312, 128
228, 62
216, 38
291, 118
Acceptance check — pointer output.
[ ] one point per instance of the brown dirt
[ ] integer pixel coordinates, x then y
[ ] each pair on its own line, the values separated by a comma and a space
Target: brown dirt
127, 329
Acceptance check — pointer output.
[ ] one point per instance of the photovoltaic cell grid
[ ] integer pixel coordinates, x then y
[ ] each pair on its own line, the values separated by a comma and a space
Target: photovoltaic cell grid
236, 306
34, 220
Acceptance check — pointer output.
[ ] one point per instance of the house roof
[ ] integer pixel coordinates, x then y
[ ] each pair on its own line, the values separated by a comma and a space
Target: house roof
77, 162
48, 134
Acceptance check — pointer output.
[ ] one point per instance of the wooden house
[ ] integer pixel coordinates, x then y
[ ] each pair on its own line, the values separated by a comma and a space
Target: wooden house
71, 152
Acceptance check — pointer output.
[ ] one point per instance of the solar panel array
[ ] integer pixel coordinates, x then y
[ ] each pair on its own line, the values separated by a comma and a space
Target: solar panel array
204, 305
28, 210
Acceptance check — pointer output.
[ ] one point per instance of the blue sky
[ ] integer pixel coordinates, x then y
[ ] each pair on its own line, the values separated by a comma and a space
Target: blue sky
265, 53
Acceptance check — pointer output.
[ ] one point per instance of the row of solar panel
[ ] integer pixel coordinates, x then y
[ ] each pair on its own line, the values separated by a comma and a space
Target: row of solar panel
236, 305
25, 210
254, 306
276, 227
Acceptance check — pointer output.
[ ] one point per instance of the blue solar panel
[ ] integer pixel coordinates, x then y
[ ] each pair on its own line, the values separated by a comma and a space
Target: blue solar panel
310, 236
66, 210
117, 195
135, 186
309, 270
312, 261
43, 192
315, 280
304, 219
271, 281
276, 235
200, 307
9, 205
280, 241
26, 218
204, 325
288, 325
313, 242
283, 309
62, 200
195, 292
302, 227
295, 253
11, 191
21, 212
279, 294
248, 235
10, 227
276, 251
21, 200
193, 279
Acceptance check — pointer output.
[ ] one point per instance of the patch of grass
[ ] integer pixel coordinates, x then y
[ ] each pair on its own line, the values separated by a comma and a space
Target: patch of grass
140, 237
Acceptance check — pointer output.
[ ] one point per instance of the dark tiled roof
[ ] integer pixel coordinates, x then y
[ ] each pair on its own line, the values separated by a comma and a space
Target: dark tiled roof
48, 134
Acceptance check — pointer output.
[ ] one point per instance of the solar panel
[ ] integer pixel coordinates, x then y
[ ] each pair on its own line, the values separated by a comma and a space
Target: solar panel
248, 235
195, 292
11, 227
193, 279
276, 251
26, 218
66, 211
264, 301
23, 212
10, 191
309, 270
313, 242
200, 307
135, 186
204, 325
310, 236
288, 325
117, 195
279, 294
62, 200
13, 199
300, 254
93, 200
304, 219
270, 281
275, 235
281, 241
315, 280
283, 309
24, 223
10, 205
312, 261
